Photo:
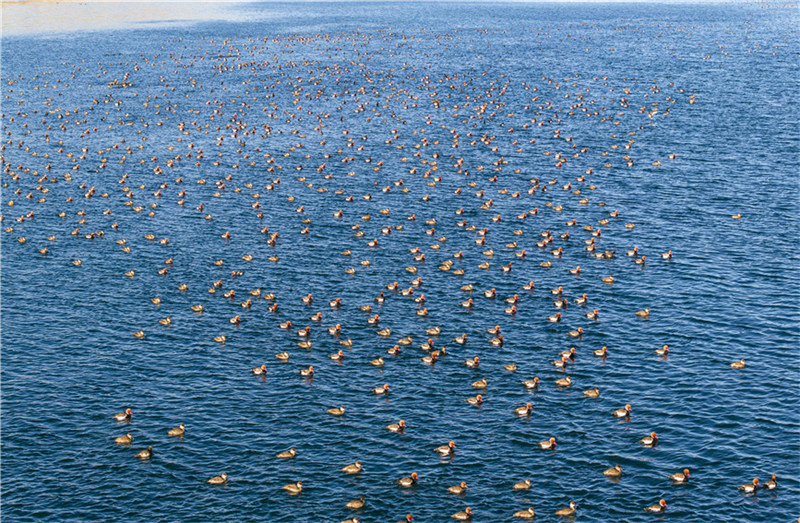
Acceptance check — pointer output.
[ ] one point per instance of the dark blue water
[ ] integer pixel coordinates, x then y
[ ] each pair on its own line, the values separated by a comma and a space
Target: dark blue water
378, 94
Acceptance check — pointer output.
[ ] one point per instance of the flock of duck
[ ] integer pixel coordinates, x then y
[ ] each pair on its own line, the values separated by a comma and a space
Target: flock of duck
465, 142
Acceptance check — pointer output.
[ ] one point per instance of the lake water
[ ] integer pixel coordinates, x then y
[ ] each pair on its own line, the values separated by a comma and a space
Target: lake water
682, 115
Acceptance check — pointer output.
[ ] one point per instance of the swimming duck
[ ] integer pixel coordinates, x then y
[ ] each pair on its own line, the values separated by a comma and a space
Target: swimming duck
385, 332
592, 393
337, 356
309, 372
531, 384
377, 363
577, 333
260, 370
468, 304
400, 426
643, 313
430, 360
561, 304
558, 291
555, 318
146, 453
218, 480
124, 416
613, 472
650, 441
464, 515
336, 411
335, 330
197, 308
308, 300
287, 325
510, 367
608, 279
355, 504
293, 488
493, 330
593, 315
304, 344
124, 440
529, 286
287, 454
434, 331
477, 400
347, 343
549, 444
458, 489
666, 255
582, 300
624, 412
771, 484
564, 382
750, 487
567, 511
446, 450
283, 356
497, 342
663, 351
522, 485
570, 354
680, 477
408, 340
139, 334
394, 351
528, 513
491, 293
480, 384
408, 481
738, 364
633, 252
381, 390
661, 506
461, 340
180, 430
353, 468
473, 363
562, 363
602, 352
305, 332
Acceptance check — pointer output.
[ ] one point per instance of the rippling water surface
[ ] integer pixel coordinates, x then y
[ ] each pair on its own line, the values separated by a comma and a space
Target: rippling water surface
362, 96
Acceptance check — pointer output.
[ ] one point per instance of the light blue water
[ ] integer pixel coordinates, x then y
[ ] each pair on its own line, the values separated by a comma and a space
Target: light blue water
428, 71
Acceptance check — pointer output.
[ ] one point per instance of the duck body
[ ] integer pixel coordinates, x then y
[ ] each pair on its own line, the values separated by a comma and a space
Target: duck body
464, 515
124, 416
528, 513
680, 477
522, 485
661, 506
446, 450
218, 480
567, 511
180, 430
613, 472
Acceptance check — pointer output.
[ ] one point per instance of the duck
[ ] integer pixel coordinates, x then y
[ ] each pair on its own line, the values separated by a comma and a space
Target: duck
305, 332
608, 279
480, 384
458, 489
464, 515
593, 315
570, 354
592, 393
400, 426
309, 372
510, 367
528, 513
394, 351
663, 351
582, 299
531, 384
624, 412
381, 390
554, 318
180, 430
336, 411
771, 484
567, 511
491, 293
385, 332
750, 487
529, 286
497, 342
461, 340
146, 453
446, 450
287, 325
477, 400
218, 480
337, 356
661, 506
562, 363
738, 364
680, 477
124, 416
666, 255
549, 444
643, 313
433, 331
577, 333
564, 382
561, 304
347, 343
493, 330
473, 363
287, 454
355, 504
650, 441
522, 485
408, 481
353, 468
511, 310
613, 472
124, 440
602, 352
468, 303
293, 488
352, 520
335, 330
377, 362
260, 370
283, 356
430, 360
633, 252
408, 340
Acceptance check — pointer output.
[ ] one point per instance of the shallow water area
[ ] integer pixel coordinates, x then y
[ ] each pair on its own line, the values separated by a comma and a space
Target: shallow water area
166, 131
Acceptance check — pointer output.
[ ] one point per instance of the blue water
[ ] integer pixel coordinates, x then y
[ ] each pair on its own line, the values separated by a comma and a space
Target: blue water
402, 80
